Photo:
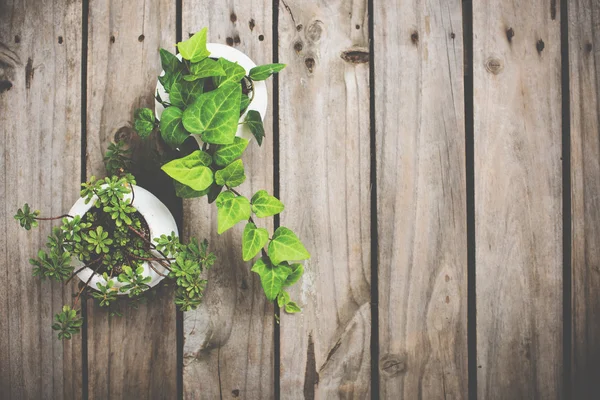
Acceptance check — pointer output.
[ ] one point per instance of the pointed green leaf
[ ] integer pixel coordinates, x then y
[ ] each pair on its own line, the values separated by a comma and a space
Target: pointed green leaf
285, 246
194, 49
295, 275
231, 210
204, 69
292, 308
283, 298
228, 153
171, 127
255, 124
173, 69
244, 103
186, 192
271, 277
144, 122
232, 175
191, 91
176, 95
264, 205
192, 170
253, 240
262, 72
234, 73
214, 115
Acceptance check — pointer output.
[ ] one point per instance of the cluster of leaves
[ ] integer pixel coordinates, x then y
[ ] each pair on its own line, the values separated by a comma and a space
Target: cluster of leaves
206, 98
68, 322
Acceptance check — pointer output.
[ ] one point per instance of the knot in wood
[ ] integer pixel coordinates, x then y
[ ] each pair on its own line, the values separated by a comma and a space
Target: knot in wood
124, 134
392, 365
310, 64
356, 55
494, 65
314, 31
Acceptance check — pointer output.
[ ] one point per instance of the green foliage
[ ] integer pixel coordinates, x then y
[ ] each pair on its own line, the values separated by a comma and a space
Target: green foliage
98, 240
272, 277
231, 176
135, 282
171, 127
117, 158
194, 49
173, 68
228, 153
231, 210
68, 323
205, 69
265, 205
253, 241
255, 124
56, 265
234, 73
143, 123
192, 170
26, 217
285, 246
262, 72
106, 294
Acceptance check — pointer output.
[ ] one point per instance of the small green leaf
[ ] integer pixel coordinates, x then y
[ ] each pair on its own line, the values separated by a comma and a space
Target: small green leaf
191, 91
171, 127
194, 49
173, 69
283, 298
292, 308
295, 275
244, 103
255, 124
234, 73
176, 95
271, 278
186, 192
192, 170
253, 240
232, 175
205, 69
214, 115
228, 153
262, 72
265, 205
143, 122
231, 210
285, 246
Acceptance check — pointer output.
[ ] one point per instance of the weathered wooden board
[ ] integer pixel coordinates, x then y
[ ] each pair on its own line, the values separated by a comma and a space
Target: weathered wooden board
134, 356
518, 198
228, 348
421, 200
584, 36
40, 86
324, 178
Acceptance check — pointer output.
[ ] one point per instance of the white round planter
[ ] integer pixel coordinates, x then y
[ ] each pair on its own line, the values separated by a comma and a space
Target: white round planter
259, 101
159, 220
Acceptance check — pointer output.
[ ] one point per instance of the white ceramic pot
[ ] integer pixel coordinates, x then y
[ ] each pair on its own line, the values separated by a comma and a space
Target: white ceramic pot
259, 102
159, 220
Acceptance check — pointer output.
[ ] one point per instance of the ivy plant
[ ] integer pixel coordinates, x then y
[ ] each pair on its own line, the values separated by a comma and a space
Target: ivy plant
208, 98
113, 240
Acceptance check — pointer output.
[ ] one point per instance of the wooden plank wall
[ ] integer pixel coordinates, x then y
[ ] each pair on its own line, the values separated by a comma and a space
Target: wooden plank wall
364, 178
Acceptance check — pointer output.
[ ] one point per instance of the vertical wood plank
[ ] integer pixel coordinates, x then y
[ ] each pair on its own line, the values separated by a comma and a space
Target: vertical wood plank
518, 203
133, 356
421, 195
584, 37
40, 88
324, 181
228, 348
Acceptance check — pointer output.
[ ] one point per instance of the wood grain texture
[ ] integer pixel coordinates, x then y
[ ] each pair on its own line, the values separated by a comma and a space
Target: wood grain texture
584, 36
518, 203
40, 86
228, 341
134, 356
324, 178
421, 199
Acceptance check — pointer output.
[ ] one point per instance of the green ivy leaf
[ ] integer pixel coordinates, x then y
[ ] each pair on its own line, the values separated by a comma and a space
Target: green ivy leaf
192, 170
265, 205
232, 175
171, 127
253, 240
295, 275
186, 192
176, 95
285, 246
244, 103
255, 124
205, 69
234, 73
144, 122
262, 72
231, 210
228, 153
191, 91
214, 115
292, 308
194, 49
173, 69
271, 277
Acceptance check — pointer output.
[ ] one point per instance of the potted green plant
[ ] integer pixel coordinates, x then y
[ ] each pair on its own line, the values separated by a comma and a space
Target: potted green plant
120, 240
215, 95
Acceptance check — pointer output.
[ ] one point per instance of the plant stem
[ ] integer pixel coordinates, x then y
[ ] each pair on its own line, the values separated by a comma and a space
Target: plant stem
141, 235
264, 253
86, 285
82, 268
54, 218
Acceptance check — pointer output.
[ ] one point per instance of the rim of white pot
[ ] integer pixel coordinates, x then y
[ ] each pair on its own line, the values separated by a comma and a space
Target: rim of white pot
259, 101
159, 219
